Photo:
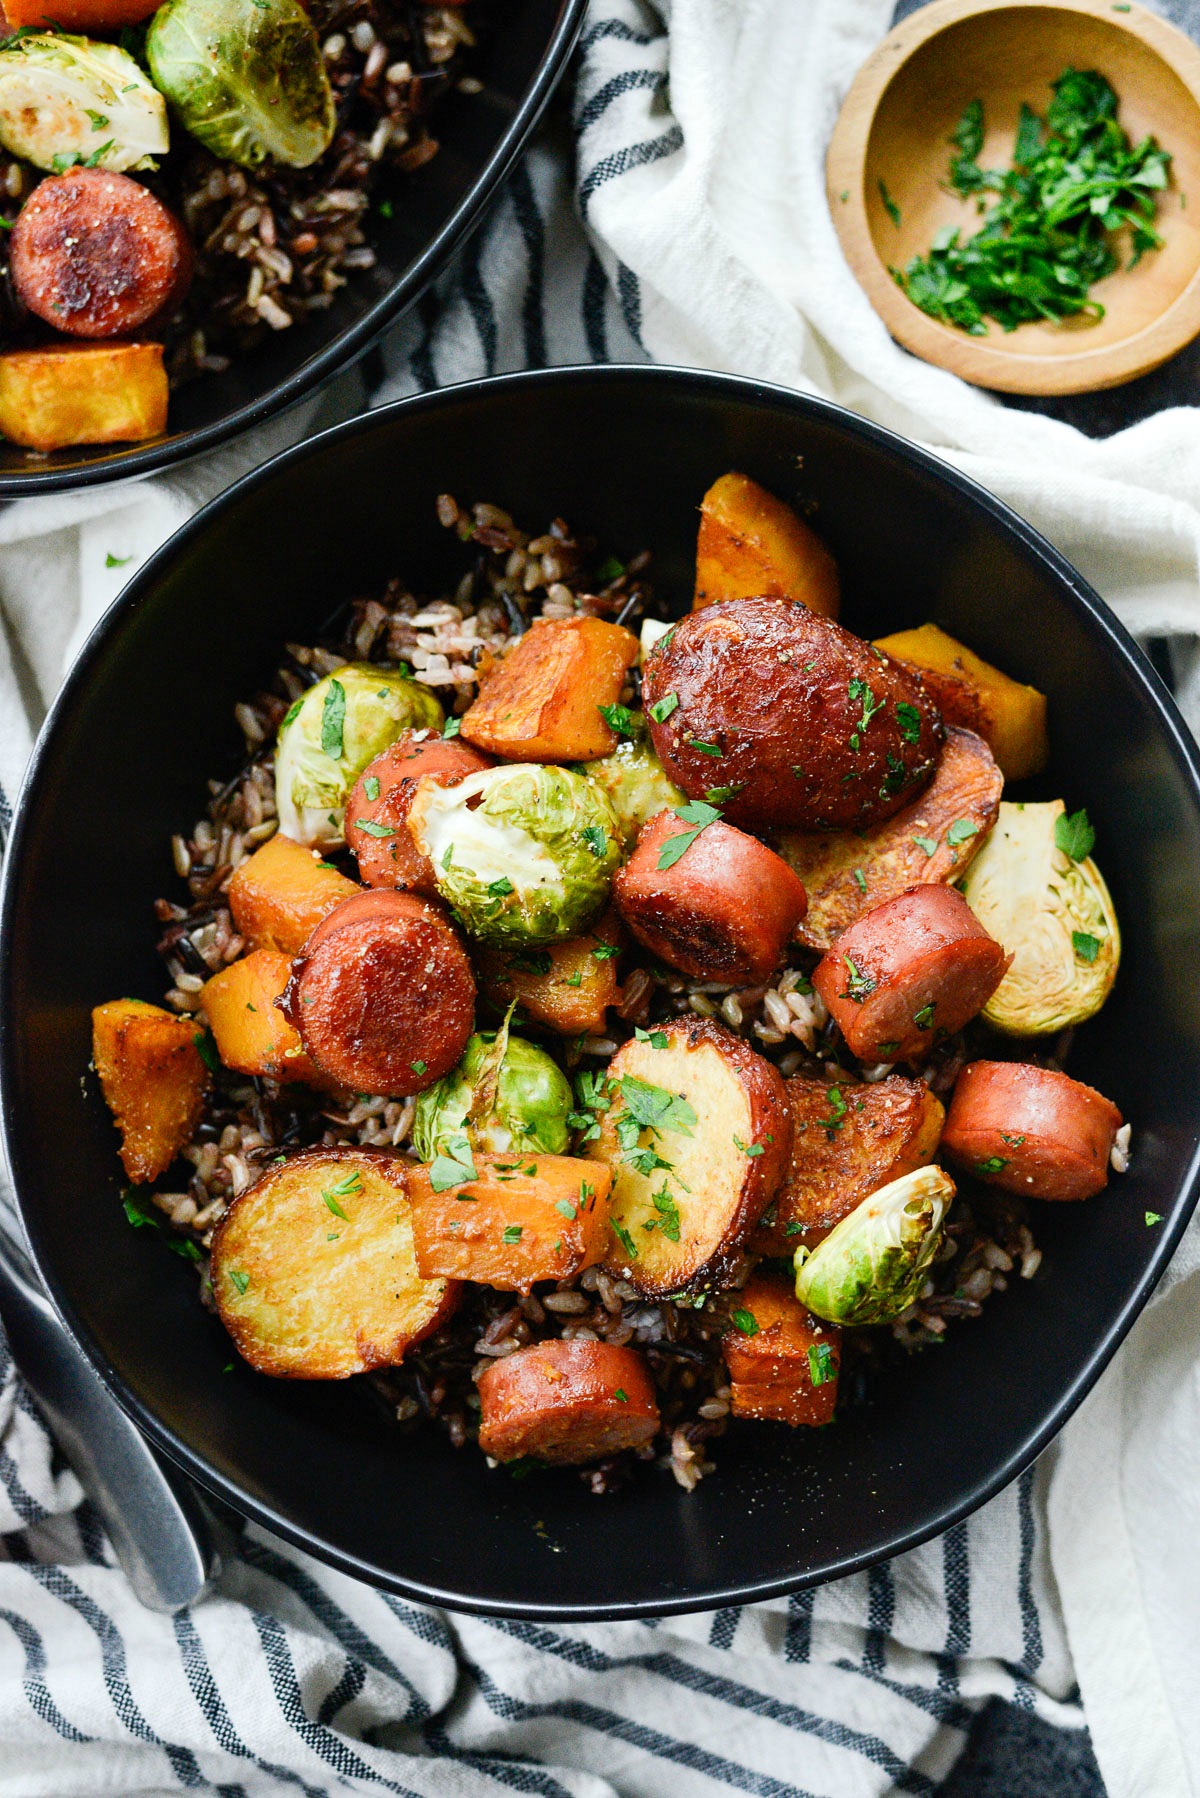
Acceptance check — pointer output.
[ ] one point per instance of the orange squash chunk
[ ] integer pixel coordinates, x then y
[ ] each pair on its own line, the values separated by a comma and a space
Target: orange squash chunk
783, 1362
252, 1034
153, 1078
522, 1219
752, 545
93, 18
1010, 717
279, 895
83, 393
542, 702
567, 988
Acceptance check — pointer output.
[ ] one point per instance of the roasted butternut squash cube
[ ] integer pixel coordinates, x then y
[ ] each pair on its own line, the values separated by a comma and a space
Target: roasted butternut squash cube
521, 1219
153, 1078
279, 894
542, 703
83, 393
252, 1035
1010, 717
567, 988
783, 1362
752, 545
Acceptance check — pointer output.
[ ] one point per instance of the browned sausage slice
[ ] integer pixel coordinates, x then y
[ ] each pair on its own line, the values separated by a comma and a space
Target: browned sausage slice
382, 994
725, 910
566, 1402
908, 973
1031, 1130
379, 800
96, 255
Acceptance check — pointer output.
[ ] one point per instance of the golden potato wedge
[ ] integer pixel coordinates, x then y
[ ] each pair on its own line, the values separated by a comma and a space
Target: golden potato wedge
783, 1362
1010, 717
83, 393
752, 544
314, 1273
932, 841
697, 1135
542, 702
847, 1142
153, 1078
536, 1217
251, 1033
567, 987
279, 894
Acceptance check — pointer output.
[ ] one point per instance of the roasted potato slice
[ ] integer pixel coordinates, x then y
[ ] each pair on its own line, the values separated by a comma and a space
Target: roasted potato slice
314, 1272
521, 1219
932, 841
697, 1134
542, 702
848, 1141
783, 1362
1010, 717
84, 393
566, 987
279, 894
752, 543
153, 1078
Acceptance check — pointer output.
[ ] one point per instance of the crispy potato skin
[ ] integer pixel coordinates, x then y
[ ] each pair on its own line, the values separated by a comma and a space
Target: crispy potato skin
251, 1032
556, 1205
726, 910
566, 987
308, 1294
969, 691
279, 894
394, 860
840, 1157
752, 543
923, 955
770, 1371
966, 786
83, 393
719, 1189
559, 1401
1052, 1135
153, 1079
383, 995
541, 703
767, 683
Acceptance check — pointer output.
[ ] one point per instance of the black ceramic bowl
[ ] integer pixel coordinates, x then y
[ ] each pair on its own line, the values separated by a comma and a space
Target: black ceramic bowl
520, 60
146, 716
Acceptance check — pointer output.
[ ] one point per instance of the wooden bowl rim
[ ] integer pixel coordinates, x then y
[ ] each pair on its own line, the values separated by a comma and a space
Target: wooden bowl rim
1007, 370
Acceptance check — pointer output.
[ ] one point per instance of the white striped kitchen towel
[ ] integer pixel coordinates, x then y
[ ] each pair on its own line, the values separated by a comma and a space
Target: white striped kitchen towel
706, 241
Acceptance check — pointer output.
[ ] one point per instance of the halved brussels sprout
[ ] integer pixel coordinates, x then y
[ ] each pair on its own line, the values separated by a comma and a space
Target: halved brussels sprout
634, 781
329, 736
66, 102
872, 1265
1034, 886
525, 854
504, 1095
246, 77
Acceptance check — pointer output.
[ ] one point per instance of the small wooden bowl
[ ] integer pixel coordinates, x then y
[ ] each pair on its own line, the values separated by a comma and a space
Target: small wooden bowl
893, 129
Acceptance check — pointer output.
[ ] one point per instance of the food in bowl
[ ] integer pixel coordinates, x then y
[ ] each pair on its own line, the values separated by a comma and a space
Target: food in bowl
618, 1101
181, 181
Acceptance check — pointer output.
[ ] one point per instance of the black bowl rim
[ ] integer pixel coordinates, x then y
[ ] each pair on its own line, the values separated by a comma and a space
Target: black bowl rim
1086, 602
354, 342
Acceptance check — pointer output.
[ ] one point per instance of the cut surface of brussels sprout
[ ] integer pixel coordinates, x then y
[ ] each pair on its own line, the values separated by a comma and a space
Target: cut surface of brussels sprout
331, 733
872, 1265
246, 77
1052, 913
652, 630
525, 854
505, 1095
634, 781
67, 102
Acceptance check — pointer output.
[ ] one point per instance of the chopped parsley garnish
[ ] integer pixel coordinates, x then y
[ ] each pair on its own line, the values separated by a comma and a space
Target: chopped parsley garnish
662, 708
575, 979
1153, 1217
859, 986
500, 889
909, 720
419, 1067
654, 1108
928, 844
602, 952
621, 1396
610, 570
1086, 946
566, 1209
619, 718
512, 1232
351, 1184
792, 1229
821, 1365
596, 839
111, 561
207, 1047
668, 1214
657, 1039
923, 1019
333, 720
745, 1321
960, 831
371, 787
625, 1239
994, 1164
703, 747
696, 813
454, 1165
719, 795
837, 1112
858, 689
371, 828
860, 880
1014, 1142
889, 205
1073, 834
137, 1211
451, 727
888, 1048
183, 1245
240, 1280
334, 1206
753, 1149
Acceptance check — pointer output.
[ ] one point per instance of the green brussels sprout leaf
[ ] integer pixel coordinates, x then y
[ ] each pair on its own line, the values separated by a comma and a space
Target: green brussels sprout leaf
872, 1265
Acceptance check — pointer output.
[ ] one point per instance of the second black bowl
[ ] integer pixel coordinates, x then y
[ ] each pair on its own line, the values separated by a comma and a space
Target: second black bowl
147, 715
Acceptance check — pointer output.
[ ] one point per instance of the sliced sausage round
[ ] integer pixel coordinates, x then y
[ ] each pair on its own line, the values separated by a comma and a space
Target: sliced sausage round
724, 910
566, 1402
377, 810
382, 994
908, 973
794, 720
96, 255
1031, 1130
